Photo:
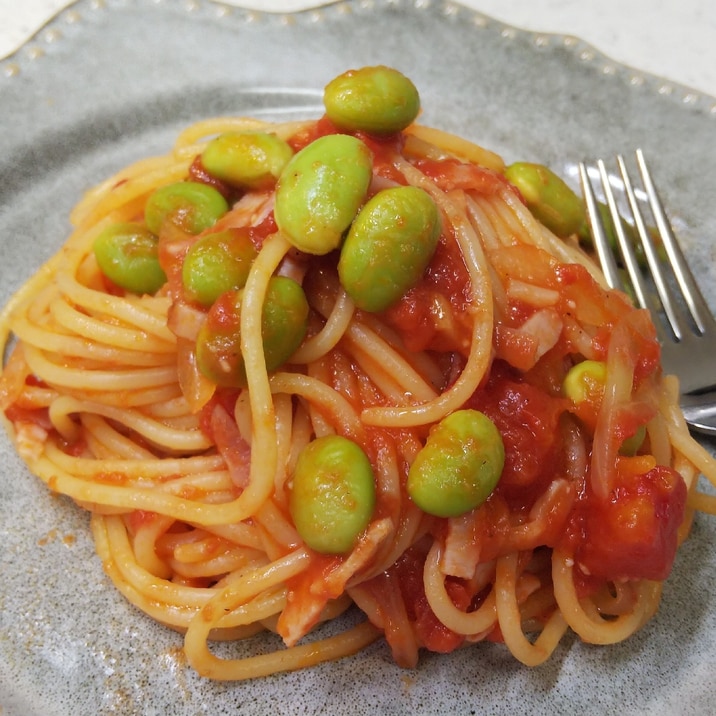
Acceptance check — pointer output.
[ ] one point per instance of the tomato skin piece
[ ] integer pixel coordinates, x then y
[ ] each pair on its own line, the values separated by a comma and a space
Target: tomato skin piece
633, 534
433, 315
528, 420
312, 132
37, 416
223, 397
384, 150
452, 174
198, 173
431, 632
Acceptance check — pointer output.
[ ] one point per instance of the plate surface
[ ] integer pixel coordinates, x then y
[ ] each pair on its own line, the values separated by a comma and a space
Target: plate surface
108, 82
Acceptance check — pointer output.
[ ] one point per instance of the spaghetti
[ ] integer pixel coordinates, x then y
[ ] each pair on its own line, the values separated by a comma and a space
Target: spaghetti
189, 482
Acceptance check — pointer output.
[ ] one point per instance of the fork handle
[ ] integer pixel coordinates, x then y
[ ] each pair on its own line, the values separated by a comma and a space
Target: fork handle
700, 412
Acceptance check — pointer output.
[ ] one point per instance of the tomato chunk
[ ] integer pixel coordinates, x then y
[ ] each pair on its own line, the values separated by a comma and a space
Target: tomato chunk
633, 534
431, 632
528, 420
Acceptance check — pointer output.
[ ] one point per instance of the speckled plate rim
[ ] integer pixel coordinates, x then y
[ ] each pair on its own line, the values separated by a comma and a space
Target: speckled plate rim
51, 31
590, 679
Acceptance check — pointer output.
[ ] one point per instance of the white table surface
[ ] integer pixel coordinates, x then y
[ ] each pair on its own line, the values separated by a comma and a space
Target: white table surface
674, 39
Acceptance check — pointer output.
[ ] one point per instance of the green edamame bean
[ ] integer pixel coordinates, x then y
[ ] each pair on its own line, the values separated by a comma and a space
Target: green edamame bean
548, 198
379, 100
585, 381
459, 466
284, 322
332, 495
253, 160
127, 255
217, 263
389, 246
320, 191
193, 206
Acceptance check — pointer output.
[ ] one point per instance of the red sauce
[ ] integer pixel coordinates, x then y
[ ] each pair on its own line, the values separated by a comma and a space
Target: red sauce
450, 174
432, 634
313, 131
226, 398
633, 533
140, 518
198, 173
528, 420
224, 315
259, 232
172, 249
630, 534
37, 416
383, 149
433, 314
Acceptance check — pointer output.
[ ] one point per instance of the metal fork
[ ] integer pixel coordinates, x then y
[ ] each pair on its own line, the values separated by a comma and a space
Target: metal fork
659, 278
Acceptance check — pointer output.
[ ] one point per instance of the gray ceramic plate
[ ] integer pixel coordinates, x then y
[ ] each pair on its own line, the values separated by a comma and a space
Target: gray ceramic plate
108, 82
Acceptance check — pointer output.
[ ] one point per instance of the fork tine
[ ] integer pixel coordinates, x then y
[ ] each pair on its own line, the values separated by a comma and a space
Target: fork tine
598, 231
625, 245
652, 258
685, 326
692, 295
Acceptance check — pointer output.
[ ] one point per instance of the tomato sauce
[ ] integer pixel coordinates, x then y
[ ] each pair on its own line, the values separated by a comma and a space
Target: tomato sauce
450, 174
632, 534
432, 633
528, 420
310, 133
36, 416
629, 535
433, 314
198, 173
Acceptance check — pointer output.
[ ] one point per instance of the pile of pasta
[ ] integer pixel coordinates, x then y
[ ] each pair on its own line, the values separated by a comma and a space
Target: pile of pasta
189, 481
